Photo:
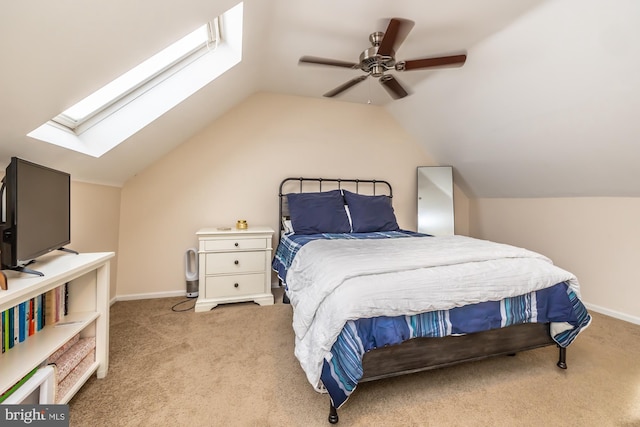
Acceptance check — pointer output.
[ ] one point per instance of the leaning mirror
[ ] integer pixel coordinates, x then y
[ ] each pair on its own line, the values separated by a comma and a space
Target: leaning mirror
435, 200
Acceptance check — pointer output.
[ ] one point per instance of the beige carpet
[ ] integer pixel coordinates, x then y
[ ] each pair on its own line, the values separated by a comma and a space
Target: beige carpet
235, 366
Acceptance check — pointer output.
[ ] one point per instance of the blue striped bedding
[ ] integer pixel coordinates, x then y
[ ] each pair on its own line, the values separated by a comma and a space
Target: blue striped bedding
342, 369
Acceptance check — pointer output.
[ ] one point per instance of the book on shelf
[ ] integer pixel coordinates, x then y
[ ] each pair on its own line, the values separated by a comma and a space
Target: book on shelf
5, 330
16, 324
49, 305
32, 316
29, 317
8, 315
39, 312
12, 327
21, 314
17, 385
65, 303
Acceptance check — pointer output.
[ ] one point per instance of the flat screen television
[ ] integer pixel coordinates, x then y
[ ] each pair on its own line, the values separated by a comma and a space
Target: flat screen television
36, 213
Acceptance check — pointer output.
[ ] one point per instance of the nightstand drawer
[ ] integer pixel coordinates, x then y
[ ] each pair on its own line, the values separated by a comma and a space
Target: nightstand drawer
234, 262
233, 244
236, 285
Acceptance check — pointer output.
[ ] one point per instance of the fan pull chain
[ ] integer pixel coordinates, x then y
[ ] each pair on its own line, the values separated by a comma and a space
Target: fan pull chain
369, 88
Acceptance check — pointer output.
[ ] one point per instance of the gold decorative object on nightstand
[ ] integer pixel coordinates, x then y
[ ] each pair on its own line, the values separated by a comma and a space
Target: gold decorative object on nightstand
242, 224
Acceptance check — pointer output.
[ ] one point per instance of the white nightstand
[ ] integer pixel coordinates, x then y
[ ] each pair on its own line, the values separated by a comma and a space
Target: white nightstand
235, 266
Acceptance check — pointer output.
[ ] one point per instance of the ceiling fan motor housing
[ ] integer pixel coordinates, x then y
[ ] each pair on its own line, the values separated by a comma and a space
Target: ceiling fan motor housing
376, 65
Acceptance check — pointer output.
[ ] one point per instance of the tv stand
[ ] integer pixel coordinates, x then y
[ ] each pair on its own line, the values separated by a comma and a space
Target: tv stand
27, 270
24, 269
71, 251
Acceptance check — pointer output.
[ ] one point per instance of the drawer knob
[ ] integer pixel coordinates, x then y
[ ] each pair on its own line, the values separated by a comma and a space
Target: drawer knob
236, 262
236, 244
235, 285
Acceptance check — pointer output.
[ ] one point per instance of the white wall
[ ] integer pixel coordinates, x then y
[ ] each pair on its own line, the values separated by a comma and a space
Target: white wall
596, 238
232, 169
95, 219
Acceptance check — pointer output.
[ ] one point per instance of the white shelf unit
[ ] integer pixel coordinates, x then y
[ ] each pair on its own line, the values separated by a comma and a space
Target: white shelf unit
87, 276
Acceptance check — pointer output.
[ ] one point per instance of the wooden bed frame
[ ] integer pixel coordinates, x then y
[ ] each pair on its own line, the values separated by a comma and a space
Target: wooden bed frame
421, 354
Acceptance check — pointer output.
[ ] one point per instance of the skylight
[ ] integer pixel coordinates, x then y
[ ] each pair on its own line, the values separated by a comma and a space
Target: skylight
110, 94
112, 114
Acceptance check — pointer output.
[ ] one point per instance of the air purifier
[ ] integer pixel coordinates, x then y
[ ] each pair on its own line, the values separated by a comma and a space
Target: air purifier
191, 272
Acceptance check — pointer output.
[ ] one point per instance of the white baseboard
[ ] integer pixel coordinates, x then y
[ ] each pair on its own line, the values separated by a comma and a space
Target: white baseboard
613, 313
168, 294
150, 295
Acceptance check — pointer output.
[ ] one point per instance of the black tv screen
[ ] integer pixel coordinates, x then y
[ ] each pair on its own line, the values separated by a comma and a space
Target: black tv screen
36, 212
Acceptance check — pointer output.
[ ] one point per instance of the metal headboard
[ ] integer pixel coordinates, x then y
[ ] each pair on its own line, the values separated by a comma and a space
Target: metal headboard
306, 185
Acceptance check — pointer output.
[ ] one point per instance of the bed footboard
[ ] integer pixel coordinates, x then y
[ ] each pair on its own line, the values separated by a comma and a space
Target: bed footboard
421, 354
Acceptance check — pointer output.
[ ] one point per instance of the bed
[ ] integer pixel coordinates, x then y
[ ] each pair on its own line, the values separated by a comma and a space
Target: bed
371, 300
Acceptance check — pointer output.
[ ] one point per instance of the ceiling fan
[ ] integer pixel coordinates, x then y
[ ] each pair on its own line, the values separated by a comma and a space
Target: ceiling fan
380, 58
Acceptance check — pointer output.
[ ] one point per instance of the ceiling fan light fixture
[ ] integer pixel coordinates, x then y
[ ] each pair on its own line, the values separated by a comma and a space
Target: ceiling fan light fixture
377, 70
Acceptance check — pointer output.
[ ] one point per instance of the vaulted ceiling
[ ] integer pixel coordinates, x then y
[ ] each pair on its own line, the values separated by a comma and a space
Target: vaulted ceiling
544, 106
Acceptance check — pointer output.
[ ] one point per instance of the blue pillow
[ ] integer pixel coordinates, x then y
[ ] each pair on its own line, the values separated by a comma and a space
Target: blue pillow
313, 213
370, 213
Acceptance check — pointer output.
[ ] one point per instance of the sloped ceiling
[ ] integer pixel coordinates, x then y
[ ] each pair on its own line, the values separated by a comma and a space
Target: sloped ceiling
543, 107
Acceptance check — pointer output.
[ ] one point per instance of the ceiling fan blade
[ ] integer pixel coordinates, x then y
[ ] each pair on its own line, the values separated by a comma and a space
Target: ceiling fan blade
393, 86
345, 86
396, 32
440, 61
324, 61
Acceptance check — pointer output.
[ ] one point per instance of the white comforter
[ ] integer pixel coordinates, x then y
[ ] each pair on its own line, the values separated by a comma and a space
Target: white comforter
332, 281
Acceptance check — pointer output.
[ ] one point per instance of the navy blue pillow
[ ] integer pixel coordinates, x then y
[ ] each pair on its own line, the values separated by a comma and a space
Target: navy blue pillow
313, 213
370, 213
